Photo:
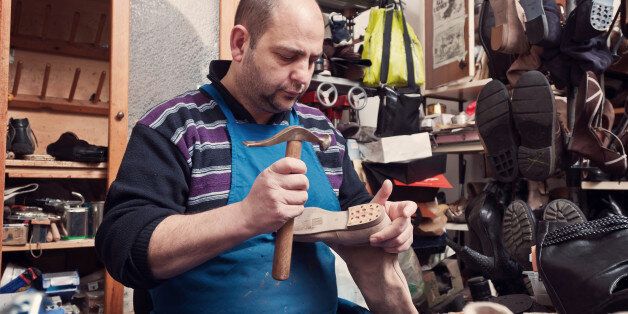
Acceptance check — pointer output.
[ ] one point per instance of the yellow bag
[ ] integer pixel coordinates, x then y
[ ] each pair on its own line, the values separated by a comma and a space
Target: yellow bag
391, 39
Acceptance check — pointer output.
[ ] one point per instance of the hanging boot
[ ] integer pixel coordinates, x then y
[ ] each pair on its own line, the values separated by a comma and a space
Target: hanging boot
498, 63
508, 35
588, 139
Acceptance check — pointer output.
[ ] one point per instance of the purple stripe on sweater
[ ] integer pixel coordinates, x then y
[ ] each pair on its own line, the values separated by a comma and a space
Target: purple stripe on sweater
202, 135
307, 109
335, 180
213, 182
197, 98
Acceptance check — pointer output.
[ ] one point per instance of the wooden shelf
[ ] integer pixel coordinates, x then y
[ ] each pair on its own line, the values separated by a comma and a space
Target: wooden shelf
605, 185
17, 168
59, 104
456, 227
61, 47
620, 110
459, 148
70, 244
457, 92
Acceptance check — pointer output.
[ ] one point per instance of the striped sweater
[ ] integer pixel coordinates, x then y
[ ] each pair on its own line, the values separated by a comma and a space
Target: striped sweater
178, 160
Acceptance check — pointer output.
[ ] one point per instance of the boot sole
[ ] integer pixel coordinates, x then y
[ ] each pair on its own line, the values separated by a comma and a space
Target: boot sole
602, 14
518, 232
563, 210
536, 20
535, 119
495, 126
316, 220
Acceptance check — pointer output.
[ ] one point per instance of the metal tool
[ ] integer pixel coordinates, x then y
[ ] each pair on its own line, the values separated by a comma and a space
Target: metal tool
294, 135
327, 94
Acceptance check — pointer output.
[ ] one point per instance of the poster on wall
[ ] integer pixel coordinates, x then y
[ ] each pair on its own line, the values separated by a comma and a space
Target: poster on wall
448, 41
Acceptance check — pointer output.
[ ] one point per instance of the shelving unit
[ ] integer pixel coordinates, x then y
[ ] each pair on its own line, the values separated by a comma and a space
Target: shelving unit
16, 168
69, 244
459, 148
457, 92
64, 66
606, 185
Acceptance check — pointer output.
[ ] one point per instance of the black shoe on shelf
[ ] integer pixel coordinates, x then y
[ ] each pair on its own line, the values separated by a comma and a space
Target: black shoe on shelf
70, 148
23, 140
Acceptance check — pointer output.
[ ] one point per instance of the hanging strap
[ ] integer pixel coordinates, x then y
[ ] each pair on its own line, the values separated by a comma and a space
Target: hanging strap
388, 19
586, 230
407, 42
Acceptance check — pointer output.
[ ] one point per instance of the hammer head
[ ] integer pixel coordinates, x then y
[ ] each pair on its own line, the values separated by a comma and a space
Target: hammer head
293, 133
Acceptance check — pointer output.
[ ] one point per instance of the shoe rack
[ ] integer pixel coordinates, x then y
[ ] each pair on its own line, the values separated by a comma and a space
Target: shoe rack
64, 65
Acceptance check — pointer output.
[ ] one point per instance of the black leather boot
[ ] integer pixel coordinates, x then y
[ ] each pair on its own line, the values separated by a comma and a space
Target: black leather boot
486, 252
584, 266
70, 147
23, 137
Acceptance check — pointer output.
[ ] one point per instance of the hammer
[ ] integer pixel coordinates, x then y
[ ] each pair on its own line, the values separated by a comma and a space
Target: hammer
294, 135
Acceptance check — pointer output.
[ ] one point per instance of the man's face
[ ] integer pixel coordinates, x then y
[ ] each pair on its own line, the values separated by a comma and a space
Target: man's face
278, 70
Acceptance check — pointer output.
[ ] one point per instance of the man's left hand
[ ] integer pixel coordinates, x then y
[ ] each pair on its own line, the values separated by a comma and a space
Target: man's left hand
397, 237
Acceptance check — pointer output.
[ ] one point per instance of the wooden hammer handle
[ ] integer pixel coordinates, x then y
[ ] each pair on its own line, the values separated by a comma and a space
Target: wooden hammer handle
283, 242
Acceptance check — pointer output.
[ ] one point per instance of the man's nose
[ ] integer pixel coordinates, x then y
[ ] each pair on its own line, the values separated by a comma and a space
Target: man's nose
301, 73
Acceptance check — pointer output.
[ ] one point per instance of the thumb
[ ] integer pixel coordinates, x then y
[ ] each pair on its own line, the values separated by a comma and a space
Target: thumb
384, 193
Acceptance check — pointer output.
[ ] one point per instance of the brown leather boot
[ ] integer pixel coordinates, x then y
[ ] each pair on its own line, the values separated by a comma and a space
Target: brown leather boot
589, 138
508, 34
379, 277
351, 227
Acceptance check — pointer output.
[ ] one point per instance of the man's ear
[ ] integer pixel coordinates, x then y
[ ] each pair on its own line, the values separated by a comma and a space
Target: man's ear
239, 39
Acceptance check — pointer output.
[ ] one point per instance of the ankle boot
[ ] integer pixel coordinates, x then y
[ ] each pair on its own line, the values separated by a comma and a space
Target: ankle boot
379, 277
24, 140
594, 17
487, 252
518, 232
584, 266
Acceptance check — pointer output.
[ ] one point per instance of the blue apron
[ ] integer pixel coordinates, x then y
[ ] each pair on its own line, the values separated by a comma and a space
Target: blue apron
239, 280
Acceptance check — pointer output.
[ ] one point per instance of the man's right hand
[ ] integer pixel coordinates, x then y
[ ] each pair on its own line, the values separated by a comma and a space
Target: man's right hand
277, 195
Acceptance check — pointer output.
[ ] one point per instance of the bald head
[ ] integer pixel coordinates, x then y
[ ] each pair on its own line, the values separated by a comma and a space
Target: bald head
257, 15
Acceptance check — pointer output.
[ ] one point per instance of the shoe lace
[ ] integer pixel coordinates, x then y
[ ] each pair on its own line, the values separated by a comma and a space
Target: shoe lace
586, 230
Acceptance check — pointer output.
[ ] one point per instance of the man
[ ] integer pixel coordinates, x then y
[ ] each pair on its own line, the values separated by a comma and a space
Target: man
192, 212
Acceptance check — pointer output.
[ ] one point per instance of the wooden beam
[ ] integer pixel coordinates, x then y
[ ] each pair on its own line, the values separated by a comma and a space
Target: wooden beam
60, 47
59, 104
118, 120
5, 36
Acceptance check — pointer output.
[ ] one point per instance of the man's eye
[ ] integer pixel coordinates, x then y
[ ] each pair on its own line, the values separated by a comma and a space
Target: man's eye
286, 57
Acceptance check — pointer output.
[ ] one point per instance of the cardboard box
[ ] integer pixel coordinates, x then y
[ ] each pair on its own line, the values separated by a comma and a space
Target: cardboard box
397, 148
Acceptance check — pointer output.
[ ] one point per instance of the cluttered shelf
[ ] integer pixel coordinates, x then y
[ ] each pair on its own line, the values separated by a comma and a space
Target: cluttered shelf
458, 148
457, 92
69, 244
605, 185
17, 168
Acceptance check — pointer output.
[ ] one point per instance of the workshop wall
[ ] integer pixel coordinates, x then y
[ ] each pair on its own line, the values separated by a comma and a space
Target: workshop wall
172, 42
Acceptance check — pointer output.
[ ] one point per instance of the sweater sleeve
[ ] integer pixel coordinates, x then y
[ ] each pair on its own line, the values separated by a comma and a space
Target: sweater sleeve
352, 190
152, 184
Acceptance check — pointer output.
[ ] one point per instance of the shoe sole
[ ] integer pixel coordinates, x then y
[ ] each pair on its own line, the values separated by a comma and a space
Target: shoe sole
316, 220
602, 14
536, 20
535, 119
563, 210
495, 125
518, 232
